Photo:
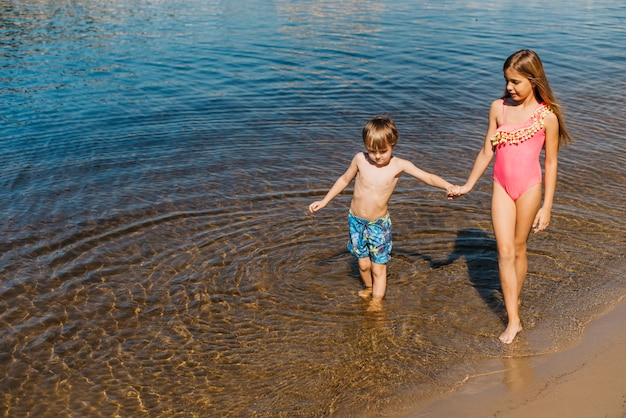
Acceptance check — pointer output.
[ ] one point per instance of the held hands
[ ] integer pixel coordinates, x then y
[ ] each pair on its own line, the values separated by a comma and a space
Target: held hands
455, 191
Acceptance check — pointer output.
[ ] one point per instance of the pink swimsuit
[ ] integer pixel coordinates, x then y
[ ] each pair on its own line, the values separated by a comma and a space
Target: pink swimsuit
517, 147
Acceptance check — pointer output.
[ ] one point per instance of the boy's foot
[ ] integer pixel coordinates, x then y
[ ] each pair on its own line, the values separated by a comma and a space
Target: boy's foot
510, 333
376, 305
365, 293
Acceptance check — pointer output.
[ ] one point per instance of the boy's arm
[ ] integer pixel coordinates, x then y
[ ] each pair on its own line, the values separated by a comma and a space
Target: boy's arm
340, 184
428, 178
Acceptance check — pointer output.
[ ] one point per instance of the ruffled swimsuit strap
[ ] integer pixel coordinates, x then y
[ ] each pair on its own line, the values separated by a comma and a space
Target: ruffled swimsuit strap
525, 133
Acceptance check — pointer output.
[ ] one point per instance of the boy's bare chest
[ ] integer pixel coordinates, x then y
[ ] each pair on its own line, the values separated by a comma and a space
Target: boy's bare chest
378, 177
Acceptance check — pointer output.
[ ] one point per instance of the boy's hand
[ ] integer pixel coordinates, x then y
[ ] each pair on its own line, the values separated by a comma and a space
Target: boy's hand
450, 192
456, 191
453, 191
315, 206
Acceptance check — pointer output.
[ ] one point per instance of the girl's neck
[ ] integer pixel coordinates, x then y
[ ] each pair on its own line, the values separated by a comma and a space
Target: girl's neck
528, 102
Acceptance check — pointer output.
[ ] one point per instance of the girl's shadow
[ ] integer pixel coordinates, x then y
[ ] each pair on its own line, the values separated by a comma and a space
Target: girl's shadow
481, 257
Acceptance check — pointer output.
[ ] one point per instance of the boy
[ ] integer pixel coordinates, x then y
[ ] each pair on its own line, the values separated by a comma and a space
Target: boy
377, 173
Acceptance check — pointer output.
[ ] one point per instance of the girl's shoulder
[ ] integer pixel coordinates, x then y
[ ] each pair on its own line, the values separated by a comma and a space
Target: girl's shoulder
496, 105
549, 117
495, 110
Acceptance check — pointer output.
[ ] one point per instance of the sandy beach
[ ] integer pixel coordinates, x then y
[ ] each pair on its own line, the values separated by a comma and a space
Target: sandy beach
586, 381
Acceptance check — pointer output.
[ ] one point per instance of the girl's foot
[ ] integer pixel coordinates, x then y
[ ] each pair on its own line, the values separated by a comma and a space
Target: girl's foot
510, 332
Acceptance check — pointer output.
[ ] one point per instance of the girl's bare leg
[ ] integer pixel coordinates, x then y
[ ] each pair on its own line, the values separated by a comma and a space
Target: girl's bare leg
511, 223
527, 207
503, 216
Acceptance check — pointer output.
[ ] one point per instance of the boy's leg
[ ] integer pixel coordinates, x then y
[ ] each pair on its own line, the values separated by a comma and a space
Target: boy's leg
365, 269
379, 276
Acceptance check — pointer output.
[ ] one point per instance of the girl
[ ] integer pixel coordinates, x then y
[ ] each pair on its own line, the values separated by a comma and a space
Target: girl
525, 120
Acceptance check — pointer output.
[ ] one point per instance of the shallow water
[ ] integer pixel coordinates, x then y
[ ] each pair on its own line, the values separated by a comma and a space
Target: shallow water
157, 161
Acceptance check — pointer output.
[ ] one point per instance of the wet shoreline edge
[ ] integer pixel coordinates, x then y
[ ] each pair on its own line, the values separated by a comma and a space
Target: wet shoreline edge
583, 380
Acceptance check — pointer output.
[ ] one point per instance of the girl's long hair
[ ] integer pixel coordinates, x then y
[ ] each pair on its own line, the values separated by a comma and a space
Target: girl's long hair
528, 64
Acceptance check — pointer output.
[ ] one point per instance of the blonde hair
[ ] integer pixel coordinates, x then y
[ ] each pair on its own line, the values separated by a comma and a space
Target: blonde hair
528, 64
380, 133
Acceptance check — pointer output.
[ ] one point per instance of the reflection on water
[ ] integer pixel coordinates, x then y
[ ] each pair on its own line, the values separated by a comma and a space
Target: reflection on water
518, 373
156, 254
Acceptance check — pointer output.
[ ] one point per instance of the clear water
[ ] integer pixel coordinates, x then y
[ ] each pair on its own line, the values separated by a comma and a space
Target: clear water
156, 164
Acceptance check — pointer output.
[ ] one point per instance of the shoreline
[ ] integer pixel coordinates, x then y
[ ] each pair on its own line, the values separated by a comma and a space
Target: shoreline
584, 381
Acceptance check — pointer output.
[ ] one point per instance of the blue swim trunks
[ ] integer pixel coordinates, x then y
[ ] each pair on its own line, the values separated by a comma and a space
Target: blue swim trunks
370, 238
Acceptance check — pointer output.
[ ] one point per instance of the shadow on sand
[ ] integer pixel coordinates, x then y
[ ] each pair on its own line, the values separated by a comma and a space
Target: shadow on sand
481, 257
480, 253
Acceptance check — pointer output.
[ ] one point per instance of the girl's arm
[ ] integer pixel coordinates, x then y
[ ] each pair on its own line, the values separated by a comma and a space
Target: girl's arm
551, 127
340, 184
486, 153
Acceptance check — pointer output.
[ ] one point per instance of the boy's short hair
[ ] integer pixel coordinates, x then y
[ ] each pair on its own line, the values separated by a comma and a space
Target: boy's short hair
380, 133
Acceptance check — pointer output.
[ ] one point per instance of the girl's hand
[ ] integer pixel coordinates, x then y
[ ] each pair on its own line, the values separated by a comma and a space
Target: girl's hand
456, 191
542, 220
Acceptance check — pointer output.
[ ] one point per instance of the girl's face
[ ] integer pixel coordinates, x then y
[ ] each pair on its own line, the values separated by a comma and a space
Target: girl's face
518, 86
380, 158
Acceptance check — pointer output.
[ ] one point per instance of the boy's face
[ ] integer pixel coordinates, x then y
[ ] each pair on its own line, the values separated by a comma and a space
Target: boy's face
380, 157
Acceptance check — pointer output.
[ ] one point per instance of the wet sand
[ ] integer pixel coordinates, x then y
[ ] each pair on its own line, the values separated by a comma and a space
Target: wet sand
585, 381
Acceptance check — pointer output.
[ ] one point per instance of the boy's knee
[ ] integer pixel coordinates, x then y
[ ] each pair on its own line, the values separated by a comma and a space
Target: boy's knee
379, 270
365, 264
